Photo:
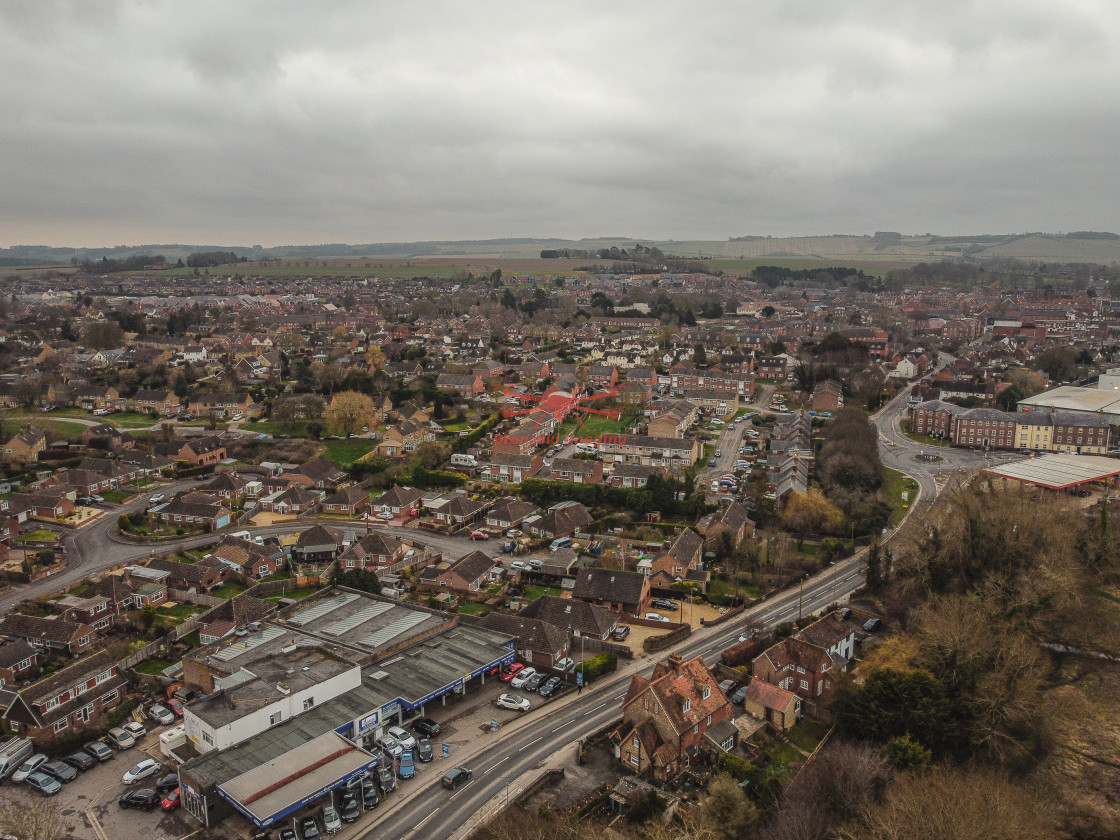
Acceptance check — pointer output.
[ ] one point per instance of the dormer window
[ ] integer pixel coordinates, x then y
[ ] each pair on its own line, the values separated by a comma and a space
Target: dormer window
707, 691
687, 704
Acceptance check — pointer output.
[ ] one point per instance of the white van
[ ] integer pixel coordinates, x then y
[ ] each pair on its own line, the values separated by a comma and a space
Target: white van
715, 487
460, 459
560, 542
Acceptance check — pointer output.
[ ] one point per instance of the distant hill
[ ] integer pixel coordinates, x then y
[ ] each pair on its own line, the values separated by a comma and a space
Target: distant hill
1077, 246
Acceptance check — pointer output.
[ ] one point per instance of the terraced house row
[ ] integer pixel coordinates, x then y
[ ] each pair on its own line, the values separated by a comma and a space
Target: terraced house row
1071, 432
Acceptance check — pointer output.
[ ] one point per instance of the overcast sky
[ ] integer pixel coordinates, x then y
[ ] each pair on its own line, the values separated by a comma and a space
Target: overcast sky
293, 122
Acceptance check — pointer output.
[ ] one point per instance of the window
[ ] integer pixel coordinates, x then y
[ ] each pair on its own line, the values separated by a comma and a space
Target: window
687, 704
308, 703
208, 738
637, 744
275, 718
707, 691
109, 698
634, 760
104, 676
709, 721
51, 704
696, 729
804, 685
60, 725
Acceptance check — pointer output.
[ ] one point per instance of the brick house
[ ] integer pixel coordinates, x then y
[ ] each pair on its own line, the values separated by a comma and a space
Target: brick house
318, 544
202, 576
467, 384
25, 447
223, 405
96, 397
459, 510
631, 475
506, 468
800, 665
164, 403
578, 618
55, 635
247, 558
203, 451
626, 592
603, 376
349, 501
509, 512
772, 368
563, 519
400, 501
577, 470
470, 575
732, 519
539, 643
373, 550
777, 706
665, 718
69, 699
403, 437
827, 396
18, 661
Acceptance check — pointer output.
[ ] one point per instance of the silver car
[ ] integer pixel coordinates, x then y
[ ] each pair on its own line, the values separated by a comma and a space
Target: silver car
331, 821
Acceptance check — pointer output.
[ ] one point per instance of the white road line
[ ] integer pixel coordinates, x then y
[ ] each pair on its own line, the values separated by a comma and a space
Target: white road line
495, 764
426, 818
561, 726
620, 696
601, 705
534, 741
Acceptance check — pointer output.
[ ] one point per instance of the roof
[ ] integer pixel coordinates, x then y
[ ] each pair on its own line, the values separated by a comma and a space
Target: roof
674, 682
825, 632
587, 619
16, 653
473, 566
768, 696
20, 626
531, 633
609, 585
1057, 471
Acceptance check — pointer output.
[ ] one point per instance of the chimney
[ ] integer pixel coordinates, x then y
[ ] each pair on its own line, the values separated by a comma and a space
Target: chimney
675, 662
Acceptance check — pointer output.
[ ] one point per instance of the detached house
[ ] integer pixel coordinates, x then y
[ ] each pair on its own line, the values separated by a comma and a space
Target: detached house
69, 699
400, 501
626, 592
539, 643
667, 718
563, 519
509, 512
471, 574
350, 501
25, 447
55, 635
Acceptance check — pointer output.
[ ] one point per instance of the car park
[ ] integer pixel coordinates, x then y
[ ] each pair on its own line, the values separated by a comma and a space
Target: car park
80, 760
665, 604
385, 779
348, 809
456, 777
564, 665
652, 616
332, 823
425, 726
172, 800
508, 673
551, 687
370, 796
142, 770
44, 783
137, 730
161, 714
513, 702
60, 770
389, 745
120, 738
522, 676
309, 829
406, 767
99, 750
144, 799
424, 751
405, 739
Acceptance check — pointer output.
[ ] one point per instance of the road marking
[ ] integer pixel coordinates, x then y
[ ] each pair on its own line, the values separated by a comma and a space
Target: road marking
426, 818
561, 726
534, 741
496, 763
601, 705
620, 696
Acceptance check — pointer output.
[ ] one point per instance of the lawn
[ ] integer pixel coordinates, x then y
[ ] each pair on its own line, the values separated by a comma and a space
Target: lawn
807, 734
231, 589
180, 612
594, 424
781, 757
473, 609
727, 589
894, 484
346, 452
532, 592
131, 420
39, 535
294, 594
114, 496
153, 667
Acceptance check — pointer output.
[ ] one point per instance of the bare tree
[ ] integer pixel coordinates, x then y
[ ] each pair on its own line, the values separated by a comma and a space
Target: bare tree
42, 822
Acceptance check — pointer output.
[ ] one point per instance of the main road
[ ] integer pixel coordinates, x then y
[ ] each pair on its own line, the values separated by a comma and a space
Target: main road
500, 760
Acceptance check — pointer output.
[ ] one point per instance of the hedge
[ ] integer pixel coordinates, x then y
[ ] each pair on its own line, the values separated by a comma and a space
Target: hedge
597, 665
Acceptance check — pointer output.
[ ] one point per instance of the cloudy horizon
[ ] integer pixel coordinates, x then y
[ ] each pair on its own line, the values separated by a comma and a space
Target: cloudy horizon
349, 121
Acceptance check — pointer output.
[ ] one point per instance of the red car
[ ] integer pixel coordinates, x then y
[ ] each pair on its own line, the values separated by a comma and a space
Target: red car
510, 671
175, 706
479, 535
171, 801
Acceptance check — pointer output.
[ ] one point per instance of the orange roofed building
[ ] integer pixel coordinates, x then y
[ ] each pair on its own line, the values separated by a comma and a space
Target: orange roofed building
665, 718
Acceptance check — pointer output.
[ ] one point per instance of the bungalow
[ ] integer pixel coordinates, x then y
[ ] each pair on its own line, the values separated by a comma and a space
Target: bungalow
402, 438
462, 384
469, 575
400, 501
459, 510
318, 544
509, 512
117, 438
247, 558
68, 699
350, 501
291, 501
563, 519
203, 576
323, 474
183, 511
619, 591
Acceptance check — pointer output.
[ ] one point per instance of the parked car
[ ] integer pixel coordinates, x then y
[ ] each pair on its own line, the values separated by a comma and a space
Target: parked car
405, 739
522, 677
167, 783
144, 769
652, 616
144, 799
406, 768
172, 800
348, 810
479, 535
175, 706
728, 687
156, 498
309, 828
44, 783
137, 730
552, 686
520, 566
99, 750
711, 462
872, 624
737, 697
621, 632
425, 726
424, 751
120, 738
331, 821
513, 702
80, 760
161, 714
385, 779
288, 834
60, 770
664, 604
370, 796
508, 673
456, 777
534, 682
389, 745
564, 665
